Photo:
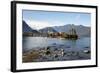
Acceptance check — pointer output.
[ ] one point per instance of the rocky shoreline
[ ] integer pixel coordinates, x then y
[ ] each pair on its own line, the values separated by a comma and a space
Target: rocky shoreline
48, 54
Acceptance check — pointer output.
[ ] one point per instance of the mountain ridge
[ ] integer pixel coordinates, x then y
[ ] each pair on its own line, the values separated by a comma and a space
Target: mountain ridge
80, 29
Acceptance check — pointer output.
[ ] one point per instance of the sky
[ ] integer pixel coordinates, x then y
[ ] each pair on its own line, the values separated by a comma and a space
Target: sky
41, 19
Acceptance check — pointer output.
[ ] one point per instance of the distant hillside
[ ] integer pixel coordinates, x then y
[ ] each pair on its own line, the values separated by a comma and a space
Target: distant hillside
26, 28
47, 29
81, 30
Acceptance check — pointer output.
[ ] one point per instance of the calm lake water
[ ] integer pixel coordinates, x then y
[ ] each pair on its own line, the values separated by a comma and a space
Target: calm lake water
41, 42
73, 49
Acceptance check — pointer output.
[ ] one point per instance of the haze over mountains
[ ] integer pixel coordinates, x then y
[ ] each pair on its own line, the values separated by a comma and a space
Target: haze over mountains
26, 28
82, 31
47, 29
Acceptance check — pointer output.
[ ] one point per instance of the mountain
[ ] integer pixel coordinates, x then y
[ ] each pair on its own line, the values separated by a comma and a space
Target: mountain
81, 30
47, 29
26, 28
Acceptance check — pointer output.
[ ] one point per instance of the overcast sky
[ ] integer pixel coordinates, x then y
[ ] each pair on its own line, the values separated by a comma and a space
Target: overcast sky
42, 19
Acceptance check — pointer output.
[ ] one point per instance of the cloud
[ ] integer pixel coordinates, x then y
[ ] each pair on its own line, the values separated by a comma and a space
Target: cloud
38, 24
58, 23
42, 24
77, 19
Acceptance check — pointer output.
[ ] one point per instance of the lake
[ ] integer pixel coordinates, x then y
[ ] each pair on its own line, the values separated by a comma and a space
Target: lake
72, 49
41, 42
